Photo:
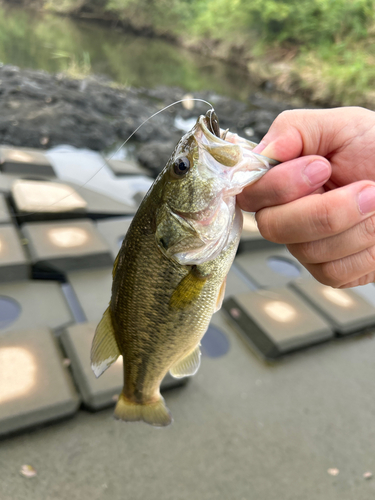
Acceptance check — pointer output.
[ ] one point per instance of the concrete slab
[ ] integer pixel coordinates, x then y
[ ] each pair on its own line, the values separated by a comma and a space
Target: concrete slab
126, 167
5, 217
276, 321
14, 263
114, 231
241, 426
345, 310
85, 167
251, 239
66, 246
6, 182
43, 200
100, 205
237, 282
92, 290
270, 267
367, 292
25, 161
33, 304
35, 387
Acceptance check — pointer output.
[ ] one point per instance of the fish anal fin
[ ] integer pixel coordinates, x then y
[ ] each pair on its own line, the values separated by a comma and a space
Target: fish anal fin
188, 290
220, 296
156, 413
104, 349
188, 365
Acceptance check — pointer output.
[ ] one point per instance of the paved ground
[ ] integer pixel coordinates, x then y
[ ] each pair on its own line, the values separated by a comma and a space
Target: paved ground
243, 429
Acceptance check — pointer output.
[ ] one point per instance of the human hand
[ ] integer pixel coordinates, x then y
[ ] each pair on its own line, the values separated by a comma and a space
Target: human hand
320, 201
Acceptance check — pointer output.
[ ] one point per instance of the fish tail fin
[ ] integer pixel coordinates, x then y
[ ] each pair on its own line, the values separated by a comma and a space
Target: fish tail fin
156, 414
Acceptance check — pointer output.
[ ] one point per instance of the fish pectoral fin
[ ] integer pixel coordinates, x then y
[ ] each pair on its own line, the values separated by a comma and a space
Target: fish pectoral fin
188, 365
188, 290
220, 297
104, 349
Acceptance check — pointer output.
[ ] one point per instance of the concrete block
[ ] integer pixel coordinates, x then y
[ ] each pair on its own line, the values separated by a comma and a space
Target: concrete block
66, 246
35, 386
276, 321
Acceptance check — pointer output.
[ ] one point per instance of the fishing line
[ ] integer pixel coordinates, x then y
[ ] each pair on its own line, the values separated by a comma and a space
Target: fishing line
43, 208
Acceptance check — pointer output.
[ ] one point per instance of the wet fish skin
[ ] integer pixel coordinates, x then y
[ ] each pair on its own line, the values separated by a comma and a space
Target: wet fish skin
169, 276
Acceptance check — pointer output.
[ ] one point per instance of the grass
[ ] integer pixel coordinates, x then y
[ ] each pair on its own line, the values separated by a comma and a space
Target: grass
77, 68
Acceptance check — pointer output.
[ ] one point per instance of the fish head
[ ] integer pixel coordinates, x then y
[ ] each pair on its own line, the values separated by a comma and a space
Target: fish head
206, 171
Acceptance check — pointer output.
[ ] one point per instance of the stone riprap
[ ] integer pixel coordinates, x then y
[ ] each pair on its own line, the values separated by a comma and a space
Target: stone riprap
41, 110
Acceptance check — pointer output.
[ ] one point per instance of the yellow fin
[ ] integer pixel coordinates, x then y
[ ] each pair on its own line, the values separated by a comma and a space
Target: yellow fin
156, 414
220, 297
104, 349
187, 291
188, 365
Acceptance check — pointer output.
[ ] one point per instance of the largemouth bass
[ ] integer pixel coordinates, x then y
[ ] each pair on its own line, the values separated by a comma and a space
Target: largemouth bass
169, 275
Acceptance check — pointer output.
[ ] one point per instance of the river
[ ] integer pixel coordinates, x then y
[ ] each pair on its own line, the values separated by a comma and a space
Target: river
60, 44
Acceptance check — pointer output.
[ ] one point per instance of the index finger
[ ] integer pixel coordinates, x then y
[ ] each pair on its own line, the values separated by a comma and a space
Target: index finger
285, 183
304, 132
318, 216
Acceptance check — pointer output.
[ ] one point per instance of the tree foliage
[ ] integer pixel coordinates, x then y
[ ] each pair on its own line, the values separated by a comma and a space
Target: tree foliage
302, 22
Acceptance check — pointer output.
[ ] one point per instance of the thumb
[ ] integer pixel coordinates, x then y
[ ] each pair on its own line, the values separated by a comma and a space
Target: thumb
310, 132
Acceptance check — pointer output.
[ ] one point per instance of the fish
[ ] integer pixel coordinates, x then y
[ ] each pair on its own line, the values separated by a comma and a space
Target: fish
170, 273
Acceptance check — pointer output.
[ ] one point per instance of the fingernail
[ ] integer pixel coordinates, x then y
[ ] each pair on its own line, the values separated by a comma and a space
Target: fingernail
366, 200
270, 152
316, 172
259, 147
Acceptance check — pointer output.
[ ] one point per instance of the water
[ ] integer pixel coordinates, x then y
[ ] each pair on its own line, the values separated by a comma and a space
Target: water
55, 44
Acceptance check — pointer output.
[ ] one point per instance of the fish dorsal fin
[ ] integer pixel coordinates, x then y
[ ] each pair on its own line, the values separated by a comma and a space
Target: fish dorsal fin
220, 297
188, 290
188, 365
104, 349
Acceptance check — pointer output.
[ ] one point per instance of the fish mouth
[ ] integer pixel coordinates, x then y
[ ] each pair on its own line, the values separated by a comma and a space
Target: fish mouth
210, 128
212, 123
209, 124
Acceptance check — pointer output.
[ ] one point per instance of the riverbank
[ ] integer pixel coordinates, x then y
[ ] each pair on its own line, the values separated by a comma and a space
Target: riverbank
322, 53
41, 110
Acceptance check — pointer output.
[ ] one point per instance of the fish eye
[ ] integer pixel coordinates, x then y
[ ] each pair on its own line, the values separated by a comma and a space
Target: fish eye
181, 166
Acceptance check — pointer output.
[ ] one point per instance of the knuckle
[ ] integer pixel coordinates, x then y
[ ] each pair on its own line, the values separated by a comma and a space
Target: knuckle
363, 280
370, 256
268, 226
324, 220
304, 252
369, 228
332, 274
281, 193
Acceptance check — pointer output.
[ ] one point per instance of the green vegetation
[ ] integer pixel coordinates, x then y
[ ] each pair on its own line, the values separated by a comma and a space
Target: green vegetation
324, 47
60, 44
